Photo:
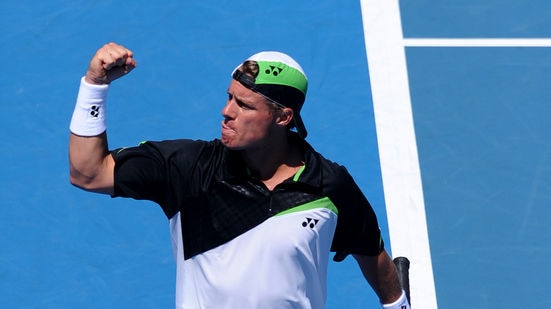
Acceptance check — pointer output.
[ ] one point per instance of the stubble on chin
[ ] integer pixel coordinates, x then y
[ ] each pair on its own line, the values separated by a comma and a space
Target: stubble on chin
226, 141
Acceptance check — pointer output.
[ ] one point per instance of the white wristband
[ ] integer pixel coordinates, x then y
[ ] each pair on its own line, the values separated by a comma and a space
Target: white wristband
89, 114
401, 303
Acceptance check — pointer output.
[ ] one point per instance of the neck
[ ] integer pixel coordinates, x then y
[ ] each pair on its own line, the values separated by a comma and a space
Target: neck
275, 162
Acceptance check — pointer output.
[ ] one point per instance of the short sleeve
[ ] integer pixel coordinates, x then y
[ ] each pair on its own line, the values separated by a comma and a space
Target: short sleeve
158, 171
357, 230
140, 173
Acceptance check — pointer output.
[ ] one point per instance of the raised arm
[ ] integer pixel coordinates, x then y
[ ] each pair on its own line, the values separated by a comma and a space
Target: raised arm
91, 166
381, 274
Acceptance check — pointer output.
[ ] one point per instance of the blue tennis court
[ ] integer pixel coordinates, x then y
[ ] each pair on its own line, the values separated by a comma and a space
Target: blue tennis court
439, 110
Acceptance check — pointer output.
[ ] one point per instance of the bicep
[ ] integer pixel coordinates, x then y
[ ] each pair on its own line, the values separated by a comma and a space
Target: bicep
91, 166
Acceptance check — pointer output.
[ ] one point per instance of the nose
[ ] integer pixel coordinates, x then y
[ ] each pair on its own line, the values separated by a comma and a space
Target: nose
227, 110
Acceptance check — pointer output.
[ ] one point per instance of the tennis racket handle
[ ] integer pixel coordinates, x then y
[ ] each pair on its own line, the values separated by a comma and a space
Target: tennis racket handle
402, 268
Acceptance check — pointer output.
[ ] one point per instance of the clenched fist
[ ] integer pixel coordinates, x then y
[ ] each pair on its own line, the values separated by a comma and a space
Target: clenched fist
110, 62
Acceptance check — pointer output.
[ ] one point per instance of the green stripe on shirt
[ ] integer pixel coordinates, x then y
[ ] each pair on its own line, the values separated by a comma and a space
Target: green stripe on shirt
324, 202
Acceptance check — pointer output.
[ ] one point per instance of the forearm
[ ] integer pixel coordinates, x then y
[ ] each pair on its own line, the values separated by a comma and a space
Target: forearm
389, 285
391, 294
381, 274
89, 159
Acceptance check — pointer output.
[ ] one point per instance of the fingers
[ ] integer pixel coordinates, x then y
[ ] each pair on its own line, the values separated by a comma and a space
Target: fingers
113, 55
109, 63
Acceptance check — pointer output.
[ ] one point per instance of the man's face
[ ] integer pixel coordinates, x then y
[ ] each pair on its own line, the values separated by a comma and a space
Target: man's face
248, 119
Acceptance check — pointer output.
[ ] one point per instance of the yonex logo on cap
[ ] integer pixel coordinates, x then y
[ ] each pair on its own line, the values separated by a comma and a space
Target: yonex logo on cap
273, 70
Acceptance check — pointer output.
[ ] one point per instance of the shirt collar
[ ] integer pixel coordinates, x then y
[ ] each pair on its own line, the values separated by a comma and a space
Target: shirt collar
311, 175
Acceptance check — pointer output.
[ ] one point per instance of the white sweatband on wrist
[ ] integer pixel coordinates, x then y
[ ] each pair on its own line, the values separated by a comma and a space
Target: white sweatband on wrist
401, 303
89, 114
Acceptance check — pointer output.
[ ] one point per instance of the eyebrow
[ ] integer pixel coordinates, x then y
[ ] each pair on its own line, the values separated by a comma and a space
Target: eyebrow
239, 100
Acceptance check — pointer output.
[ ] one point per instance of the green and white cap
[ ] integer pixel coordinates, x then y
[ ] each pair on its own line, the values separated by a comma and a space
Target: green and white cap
281, 80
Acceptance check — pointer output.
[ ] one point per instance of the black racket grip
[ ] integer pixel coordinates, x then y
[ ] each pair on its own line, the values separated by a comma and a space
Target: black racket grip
402, 267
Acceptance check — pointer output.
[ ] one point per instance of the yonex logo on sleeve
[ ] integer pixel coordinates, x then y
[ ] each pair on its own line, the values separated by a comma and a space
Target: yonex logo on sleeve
309, 222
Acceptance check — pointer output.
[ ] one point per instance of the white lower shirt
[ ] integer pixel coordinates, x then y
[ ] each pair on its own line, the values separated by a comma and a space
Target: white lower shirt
281, 263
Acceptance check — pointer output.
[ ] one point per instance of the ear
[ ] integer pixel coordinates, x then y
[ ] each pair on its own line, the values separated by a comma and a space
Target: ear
284, 116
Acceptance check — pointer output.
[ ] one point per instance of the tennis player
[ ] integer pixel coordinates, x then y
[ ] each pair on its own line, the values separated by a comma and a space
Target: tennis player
255, 214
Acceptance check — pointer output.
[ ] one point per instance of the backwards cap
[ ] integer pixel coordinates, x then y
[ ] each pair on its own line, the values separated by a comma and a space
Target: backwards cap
281, 80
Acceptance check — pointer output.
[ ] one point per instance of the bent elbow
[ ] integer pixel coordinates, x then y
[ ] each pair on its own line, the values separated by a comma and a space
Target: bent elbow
78, 180
90, 183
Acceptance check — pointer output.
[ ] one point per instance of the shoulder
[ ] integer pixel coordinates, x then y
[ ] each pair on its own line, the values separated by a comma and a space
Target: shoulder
331, 173
335, 176
177, 146
332, 177
169, 149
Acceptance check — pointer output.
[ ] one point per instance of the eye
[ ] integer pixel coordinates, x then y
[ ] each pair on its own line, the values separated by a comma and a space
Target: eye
243, 105
240, 103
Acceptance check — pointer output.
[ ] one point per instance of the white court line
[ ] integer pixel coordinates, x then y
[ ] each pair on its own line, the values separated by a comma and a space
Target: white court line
385, 48
400, 169
478, 42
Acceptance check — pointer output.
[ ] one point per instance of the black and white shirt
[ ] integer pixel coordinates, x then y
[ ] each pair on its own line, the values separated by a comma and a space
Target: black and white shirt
238, 244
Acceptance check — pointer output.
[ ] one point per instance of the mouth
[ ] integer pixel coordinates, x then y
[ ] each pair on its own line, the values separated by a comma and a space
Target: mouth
227, 129
225, 126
